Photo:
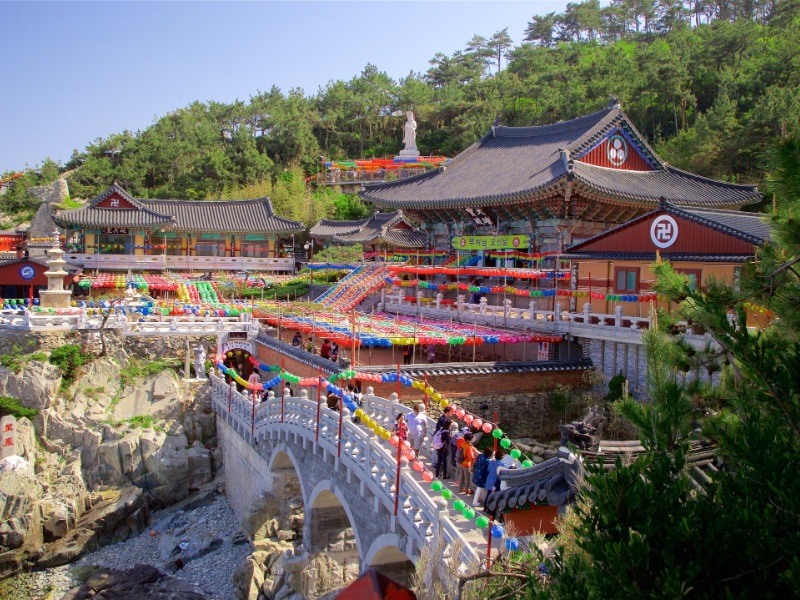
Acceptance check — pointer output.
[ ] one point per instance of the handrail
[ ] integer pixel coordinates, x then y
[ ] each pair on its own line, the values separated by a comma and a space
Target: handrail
419, 516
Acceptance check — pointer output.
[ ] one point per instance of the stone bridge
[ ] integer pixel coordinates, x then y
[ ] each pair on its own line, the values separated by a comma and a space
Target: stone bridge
298, 448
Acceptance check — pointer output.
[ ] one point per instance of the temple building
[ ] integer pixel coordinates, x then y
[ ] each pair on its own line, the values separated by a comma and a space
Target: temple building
379, 232
560, 184
118, 231
701, 243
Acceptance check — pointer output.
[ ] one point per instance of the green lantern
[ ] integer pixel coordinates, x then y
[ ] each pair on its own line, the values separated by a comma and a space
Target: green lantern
505, 443
447, 494
527, 463
459, 505
498, 433
436, 486
515, 454
468, 513
482, 522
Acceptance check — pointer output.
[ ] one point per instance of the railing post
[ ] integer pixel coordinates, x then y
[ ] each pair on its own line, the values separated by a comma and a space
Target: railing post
283, 403
557, 312
532, 310
419, 303
230, 394
587, 313
398, 380
618, 316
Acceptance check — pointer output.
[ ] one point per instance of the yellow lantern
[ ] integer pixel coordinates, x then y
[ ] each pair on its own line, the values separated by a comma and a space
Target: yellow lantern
360, 414
443, 404
436, 396
429, 390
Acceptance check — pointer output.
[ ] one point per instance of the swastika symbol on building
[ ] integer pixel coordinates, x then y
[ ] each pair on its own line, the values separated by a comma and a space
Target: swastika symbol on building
664, 231
115, 202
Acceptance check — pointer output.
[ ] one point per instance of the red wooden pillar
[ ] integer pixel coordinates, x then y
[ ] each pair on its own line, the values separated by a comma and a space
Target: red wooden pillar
398, 382
319, 398
397, 477
489, 544
341, 419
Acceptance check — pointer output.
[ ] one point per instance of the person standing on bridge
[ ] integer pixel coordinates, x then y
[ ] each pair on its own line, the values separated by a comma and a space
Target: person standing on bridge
417, 428
400, 427
441, 442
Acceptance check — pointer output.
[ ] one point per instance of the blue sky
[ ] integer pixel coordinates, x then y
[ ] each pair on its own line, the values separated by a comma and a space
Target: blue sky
75, 71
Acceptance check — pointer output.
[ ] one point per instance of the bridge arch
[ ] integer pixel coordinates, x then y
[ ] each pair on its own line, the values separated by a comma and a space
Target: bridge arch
287, 486
330, 525
386, 557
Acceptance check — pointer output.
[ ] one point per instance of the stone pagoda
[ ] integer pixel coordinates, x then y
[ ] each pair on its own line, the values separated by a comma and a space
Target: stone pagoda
55, 296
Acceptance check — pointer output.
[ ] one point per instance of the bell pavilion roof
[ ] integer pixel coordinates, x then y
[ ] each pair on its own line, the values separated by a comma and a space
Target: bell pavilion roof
603, 154
116, 208
392, 228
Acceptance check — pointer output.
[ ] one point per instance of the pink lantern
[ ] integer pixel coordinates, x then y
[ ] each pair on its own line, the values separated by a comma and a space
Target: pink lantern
427, 476
405, 445
410, 455
468, 419
394, 440
487, 428
460, 413
477, 423
417, 466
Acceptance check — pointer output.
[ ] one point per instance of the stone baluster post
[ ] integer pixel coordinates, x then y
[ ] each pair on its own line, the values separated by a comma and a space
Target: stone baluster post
557, 312
460, 303
439, 297
587, 313
532, 310
419, 302
618, 316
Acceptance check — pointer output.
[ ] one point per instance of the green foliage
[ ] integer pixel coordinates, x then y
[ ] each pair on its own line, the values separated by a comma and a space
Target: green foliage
141, 421
12, 406
293, 289
136, 370
68, 358
615, 387
341, 254
349, 207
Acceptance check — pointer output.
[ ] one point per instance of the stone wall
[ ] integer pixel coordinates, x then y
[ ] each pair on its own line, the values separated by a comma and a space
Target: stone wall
246, 473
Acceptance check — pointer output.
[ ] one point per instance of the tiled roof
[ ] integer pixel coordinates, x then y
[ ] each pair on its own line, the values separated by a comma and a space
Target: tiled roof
486, 368
327, 228
513, 164
379, 226
750, 227
674, 185
236, 216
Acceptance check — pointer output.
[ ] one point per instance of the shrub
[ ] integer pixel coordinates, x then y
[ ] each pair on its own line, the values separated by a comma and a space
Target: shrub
68, 358
12, 406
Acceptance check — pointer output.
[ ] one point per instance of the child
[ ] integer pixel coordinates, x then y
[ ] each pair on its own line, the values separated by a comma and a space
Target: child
467, 453
400, 427
481, 474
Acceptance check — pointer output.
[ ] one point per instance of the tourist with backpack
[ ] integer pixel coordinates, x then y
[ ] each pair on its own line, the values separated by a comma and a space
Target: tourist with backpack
465, 457
481, 474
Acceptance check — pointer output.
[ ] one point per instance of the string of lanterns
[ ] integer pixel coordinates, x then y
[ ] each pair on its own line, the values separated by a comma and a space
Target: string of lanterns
415, 464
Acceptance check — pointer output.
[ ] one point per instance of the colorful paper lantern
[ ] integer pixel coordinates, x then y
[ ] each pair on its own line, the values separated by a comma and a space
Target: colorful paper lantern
527, 464
447, 494
505, 442
469, 513
459, 505
482, 522
497, 433
487, 428
436, 486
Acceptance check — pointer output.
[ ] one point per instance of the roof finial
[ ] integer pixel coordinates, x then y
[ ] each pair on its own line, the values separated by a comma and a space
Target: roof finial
613, 102
498, 121
662, 202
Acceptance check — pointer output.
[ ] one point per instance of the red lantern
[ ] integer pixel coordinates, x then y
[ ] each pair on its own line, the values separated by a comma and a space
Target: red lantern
417, 466
405, 446
410, 455
487, 428
468, 419
477, 423
460, 413
394, 440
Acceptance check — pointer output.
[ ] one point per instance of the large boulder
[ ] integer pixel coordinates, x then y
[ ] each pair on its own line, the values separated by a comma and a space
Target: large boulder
20, 515
35, 387
143, 581
118, 516
261, 510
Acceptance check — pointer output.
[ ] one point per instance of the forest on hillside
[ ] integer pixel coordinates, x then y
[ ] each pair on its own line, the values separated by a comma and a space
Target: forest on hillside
710, 83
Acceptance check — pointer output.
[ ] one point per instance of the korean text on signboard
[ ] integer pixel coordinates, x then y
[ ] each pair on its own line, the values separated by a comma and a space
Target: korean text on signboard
491, 242
114, 230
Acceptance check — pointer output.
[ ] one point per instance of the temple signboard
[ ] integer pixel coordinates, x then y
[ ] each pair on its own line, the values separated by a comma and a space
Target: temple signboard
491, 242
